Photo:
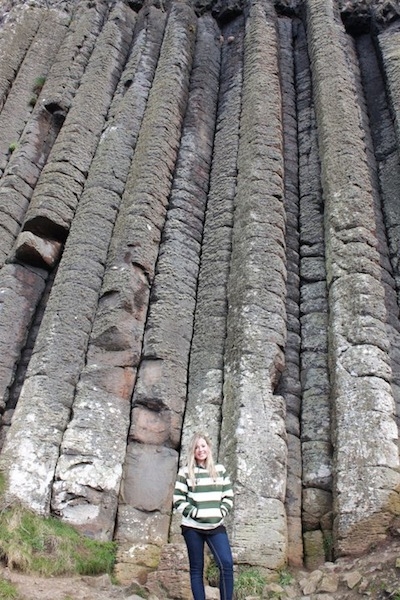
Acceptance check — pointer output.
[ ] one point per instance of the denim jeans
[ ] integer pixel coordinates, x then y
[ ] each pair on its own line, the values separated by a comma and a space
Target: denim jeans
221, 550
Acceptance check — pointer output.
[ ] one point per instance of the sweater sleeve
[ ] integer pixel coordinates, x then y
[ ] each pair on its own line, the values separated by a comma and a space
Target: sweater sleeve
227, 495
181, 502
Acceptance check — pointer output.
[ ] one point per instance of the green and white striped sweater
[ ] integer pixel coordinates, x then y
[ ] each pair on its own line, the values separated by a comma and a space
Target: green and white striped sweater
205, 502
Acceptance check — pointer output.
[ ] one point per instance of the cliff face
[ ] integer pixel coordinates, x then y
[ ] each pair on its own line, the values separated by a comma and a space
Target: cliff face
200, 229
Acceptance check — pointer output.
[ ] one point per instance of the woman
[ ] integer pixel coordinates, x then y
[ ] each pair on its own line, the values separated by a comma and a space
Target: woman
203, 494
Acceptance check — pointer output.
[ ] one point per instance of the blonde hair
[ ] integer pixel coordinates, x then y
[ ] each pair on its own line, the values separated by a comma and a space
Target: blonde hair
191, 462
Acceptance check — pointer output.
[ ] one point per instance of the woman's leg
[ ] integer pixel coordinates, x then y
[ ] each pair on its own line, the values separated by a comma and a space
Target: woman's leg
221, 550
195, 546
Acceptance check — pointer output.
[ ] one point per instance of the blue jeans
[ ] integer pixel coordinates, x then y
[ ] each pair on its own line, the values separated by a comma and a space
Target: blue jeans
221, 550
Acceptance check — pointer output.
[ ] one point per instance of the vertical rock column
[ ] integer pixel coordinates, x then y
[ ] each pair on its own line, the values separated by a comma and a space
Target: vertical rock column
107, 381
386, 135
386, 156
70, 63
364, 431
389, 47
30, 455
160, 390
316, 405
89, 469
253, 437
36, 64
18, 183
20, 292
53, 102
60, 185
18, 36
289, 384
167, 339
116, 342
206, 368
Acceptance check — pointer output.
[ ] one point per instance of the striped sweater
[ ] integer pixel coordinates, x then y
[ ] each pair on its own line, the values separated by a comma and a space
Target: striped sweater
205, 502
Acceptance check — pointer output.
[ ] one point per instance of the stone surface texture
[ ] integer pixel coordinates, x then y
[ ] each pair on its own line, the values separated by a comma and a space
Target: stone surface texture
200, 230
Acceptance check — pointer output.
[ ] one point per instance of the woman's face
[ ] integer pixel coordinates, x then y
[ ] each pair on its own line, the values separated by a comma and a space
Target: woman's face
201, 451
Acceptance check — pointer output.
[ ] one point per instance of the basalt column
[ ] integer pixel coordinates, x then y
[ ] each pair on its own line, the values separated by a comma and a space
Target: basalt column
59, 354
206, 368
315, 399
256, 454
383, 103
51, 95
92, 453
21, 286
289, 384
366, 462
52, 100
39, 58
160, 392
115, 344
19, 38
383, 159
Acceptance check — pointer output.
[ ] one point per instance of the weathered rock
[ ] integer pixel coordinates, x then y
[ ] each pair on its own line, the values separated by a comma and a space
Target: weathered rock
329, 583
172, 577
314, 549
36, 64
316, 503
352, 579
76, 301
289, 384
211, 193
253, 365
205, 377
136, 561
57, 194
37, 251
310, 584
350, 220
212, 593
123, 371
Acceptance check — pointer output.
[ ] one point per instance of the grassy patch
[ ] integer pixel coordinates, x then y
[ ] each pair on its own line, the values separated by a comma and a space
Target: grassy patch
38, 84
212, 573
249, 582
12, 147
285, 578
47, 546
8, 591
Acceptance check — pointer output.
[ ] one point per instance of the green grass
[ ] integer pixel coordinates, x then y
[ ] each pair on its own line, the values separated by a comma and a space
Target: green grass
46, 546
212, 573
249, 582
285, 578
8, 591
13, 146
38, 84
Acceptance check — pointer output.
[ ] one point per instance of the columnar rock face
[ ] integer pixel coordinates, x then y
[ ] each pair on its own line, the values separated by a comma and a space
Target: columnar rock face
200, 229
365, 467
256, 323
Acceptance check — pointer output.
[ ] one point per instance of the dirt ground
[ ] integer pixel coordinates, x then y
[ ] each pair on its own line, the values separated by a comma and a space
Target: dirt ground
65, 588
378, 578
